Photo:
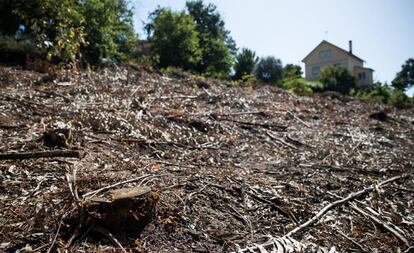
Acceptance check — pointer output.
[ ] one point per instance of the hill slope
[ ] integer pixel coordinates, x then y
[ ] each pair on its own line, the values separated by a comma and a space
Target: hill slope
231, 165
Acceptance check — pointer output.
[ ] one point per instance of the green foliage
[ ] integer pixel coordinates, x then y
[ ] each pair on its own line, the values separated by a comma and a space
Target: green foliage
63, 30
400, 100
336, 78
12, 51
297, 86
269, 70
109, 31
217, 47
377, 93
405, 78
174, 39
245, 64
383, 93
292, 71
55, 27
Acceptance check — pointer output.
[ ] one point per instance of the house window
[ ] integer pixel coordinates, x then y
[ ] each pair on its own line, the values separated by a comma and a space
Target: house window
324, 53
361, 76
315, 71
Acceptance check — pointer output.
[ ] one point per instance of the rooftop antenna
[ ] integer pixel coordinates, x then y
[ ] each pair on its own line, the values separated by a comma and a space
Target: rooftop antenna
326, 35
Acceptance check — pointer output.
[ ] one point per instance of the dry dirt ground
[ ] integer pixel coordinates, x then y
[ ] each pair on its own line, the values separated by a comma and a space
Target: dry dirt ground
229, 167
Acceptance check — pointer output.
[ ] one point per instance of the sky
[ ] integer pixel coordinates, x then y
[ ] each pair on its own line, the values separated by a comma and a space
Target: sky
382, 31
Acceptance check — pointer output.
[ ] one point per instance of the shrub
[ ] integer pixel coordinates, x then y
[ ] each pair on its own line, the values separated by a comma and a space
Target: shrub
13, 51
336, 78
245, 64
300, 86
269, 70
400, 100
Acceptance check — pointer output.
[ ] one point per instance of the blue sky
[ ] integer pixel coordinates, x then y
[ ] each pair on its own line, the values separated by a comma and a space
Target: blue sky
382, 31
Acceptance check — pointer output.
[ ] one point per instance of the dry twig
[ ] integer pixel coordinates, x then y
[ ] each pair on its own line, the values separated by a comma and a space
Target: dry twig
340, 202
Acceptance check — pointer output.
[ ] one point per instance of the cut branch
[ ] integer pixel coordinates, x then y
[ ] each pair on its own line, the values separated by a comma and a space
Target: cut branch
381, 223
41, 154
332, 205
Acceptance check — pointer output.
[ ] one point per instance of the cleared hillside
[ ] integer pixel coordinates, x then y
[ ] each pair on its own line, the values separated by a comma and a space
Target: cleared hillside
231, 166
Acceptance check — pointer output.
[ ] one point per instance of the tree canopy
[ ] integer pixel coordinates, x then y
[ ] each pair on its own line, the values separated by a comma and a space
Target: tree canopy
108, 30
269, 70
217, 46
64, 30
405, 78
292, 71
245, 63
173, 39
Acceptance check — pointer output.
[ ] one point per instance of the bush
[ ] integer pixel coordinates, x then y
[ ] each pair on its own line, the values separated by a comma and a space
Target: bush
380, 93
336, 78
400, 100
300, 86
377, 93
13, 51
245, 64
269, 70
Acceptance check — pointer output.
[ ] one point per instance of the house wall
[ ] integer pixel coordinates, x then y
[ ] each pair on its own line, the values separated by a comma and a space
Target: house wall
337, 57
353, 63
368, 79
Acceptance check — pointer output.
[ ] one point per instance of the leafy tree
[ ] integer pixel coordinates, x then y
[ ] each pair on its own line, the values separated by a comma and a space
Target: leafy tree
64, 30
292, 71
55, 27
217, 47
245, 63
405, 78
336, 78
269, 70
174, 39
109, 30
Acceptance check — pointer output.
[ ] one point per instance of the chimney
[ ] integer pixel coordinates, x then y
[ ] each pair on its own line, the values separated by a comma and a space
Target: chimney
350, 46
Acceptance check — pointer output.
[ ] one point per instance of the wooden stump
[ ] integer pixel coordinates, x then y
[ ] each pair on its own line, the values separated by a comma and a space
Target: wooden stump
124, 211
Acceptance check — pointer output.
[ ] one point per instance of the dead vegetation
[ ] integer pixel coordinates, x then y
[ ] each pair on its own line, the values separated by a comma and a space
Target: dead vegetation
217, 168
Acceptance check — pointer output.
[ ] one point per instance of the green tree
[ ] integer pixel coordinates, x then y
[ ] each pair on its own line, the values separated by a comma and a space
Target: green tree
217, 46
337, 78
405, 78
173, 38
245, 63
54, 27
292, 71
65, 30
109, 30
269, 70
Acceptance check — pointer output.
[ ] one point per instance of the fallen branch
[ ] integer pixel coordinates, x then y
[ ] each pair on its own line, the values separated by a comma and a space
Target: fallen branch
229, 113
41, 154
264, 125
381, 223
299, 119
332, 205
285, 244
281, 141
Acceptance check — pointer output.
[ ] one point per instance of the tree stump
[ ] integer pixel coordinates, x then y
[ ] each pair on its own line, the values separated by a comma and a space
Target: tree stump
124, 211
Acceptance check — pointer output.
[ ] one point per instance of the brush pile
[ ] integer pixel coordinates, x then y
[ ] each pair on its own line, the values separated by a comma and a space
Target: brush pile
198, 165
